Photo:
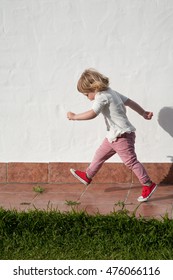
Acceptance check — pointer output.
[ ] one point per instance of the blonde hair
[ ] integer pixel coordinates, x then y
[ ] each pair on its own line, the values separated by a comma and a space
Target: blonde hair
91, 80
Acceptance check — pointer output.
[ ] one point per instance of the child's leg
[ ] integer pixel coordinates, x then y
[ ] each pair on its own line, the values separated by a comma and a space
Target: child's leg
104, 152
126, 150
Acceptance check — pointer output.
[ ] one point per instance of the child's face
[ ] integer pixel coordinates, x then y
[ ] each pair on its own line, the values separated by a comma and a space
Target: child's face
90, 95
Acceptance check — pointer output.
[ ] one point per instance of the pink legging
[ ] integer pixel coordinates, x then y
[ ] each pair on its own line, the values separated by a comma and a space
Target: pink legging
125, 147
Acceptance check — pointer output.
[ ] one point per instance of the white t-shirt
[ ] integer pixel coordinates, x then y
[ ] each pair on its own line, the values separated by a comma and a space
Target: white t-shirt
111, 104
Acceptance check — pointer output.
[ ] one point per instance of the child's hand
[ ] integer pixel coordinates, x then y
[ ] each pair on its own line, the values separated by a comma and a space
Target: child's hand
71, 116
147, 115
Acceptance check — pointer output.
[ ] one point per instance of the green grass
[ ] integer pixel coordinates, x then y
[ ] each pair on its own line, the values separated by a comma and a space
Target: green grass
72, 203
38, 189
76, 235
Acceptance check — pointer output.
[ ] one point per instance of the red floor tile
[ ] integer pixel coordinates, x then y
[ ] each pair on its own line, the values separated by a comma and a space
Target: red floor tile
95, 198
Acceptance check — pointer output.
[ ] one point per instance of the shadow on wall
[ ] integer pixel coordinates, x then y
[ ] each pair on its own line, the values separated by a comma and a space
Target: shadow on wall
165, 120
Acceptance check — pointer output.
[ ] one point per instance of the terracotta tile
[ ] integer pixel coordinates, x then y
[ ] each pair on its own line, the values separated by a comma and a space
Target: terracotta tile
161, 199
56, 197
96, 208
148, 210
158, 205
113, 173
2, 186
165, 189
162, 194
96, 197
45, 206
109, 187
55, 202
17, 207
18, 187
15, 200
3, 172
159, 172
109, 173
57, 188
27, 172
60, 172
67, 208
167, 173
50, 206
133, 194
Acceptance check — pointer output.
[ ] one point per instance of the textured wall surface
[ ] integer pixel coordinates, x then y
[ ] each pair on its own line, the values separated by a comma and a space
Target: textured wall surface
44, 47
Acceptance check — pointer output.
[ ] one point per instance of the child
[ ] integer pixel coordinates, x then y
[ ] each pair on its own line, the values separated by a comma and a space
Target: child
120, 137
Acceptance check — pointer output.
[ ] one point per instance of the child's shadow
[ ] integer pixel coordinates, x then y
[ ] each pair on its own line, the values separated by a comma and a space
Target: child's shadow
165, 120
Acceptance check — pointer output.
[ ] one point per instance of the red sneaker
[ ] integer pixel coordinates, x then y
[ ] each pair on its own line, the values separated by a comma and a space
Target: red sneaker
81, 176
147, 192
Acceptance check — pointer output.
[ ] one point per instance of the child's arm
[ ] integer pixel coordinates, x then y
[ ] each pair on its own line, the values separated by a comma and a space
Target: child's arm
137, 108
81, 117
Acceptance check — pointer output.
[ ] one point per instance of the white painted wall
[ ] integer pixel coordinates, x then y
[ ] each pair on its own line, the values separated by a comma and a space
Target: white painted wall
44, 47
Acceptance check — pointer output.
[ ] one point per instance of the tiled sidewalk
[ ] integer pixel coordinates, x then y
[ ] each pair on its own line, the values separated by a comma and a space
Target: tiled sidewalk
103, 198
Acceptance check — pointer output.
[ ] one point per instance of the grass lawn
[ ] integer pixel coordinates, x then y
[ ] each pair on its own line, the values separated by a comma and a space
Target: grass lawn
51, 235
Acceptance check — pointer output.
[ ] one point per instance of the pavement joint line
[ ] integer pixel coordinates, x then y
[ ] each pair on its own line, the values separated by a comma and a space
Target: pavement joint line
82, 194
128, 192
